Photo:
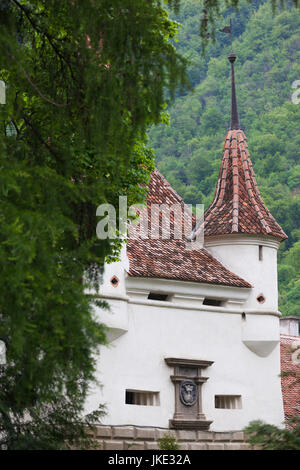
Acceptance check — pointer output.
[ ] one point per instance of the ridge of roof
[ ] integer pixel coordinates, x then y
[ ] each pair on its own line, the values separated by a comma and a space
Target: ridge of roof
238, 206
156, 172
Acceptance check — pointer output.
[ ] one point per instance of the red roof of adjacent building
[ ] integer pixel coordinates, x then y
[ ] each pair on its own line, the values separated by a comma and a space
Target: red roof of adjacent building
170, 258
290, 383
237, 206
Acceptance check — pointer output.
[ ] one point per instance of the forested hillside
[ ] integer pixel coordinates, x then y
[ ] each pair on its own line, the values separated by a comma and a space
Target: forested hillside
189, 150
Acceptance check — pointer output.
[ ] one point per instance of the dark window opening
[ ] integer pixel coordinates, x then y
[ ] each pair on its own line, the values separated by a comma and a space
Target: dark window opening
260, 252
137, 397
129, 398
154, 296
212, 302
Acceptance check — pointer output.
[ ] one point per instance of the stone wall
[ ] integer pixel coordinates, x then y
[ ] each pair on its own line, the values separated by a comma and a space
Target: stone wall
145, 438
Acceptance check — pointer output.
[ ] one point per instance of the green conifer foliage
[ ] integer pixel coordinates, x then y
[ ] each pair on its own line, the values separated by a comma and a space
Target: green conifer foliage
83, 82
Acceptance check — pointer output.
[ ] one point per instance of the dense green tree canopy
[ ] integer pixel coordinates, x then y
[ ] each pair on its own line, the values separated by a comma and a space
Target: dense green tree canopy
84, 80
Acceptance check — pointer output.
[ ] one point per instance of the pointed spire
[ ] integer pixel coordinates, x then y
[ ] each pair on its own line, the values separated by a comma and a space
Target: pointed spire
234, 122
238, 206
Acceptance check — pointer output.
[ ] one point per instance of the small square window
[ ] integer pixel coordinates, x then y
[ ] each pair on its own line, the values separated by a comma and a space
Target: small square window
228, 402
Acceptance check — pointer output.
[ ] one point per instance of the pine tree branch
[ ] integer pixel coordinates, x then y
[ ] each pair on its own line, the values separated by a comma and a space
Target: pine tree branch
37, 133
47, 35
30, 81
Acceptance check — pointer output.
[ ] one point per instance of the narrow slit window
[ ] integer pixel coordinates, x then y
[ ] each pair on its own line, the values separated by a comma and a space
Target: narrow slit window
228, 402
156, 296
213, 302
260, 252
143, 398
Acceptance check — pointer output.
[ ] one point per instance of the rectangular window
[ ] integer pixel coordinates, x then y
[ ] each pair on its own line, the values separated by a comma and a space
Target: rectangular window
137, 397
230, 402
213, 302
155, 296
260, 252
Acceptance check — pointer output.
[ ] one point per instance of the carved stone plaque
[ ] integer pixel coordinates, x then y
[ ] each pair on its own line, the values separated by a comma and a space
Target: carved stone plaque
188, 381
188, 392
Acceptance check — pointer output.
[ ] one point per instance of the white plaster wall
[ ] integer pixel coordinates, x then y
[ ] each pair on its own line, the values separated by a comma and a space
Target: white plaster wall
135, 360
240, 255
289, 326
116, 317
117, 269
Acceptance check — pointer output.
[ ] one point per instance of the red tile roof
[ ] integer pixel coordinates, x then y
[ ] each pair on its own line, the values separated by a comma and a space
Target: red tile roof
290, 384
237, 206
170, 259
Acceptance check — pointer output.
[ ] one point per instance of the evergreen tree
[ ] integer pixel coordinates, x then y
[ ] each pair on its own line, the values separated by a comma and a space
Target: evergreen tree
83, 82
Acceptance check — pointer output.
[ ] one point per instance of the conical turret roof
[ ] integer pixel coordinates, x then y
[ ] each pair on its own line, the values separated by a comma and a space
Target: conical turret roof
238, 206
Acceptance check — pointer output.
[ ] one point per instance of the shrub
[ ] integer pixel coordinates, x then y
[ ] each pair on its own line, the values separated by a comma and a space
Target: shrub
168, 442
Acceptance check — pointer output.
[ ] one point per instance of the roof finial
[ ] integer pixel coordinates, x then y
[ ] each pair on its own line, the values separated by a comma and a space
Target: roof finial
235, 122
